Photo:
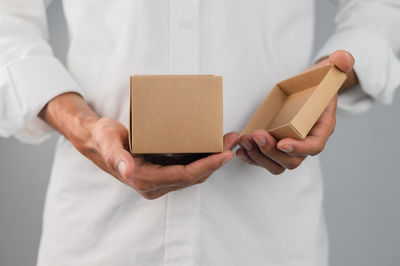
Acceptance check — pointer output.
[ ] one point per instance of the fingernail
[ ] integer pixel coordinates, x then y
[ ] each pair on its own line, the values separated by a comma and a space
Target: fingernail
247, 145
122, 169
260, 140
286, 148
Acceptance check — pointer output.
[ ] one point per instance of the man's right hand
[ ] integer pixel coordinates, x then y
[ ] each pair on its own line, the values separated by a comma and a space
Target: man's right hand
105, 142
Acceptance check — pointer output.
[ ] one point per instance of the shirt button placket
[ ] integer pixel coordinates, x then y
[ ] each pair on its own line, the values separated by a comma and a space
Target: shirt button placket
184, 36
181, 228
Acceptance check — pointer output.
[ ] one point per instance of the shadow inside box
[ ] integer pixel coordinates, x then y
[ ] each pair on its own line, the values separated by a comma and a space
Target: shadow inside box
174, 159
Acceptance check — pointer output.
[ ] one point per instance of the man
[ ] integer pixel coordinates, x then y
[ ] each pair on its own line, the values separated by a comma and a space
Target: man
243, 214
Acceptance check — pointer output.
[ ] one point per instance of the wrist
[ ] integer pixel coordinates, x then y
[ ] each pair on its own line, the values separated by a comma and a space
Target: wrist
71, 116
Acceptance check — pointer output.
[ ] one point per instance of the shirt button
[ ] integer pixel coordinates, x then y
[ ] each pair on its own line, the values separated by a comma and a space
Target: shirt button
185, 24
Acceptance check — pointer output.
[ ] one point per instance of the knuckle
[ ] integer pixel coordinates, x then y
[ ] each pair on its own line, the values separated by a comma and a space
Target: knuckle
90, 147
97, 144
108, 156
267, 148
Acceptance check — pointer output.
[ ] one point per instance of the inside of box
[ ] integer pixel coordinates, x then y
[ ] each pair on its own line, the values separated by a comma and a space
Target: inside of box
289, 107
175, 158
286, 102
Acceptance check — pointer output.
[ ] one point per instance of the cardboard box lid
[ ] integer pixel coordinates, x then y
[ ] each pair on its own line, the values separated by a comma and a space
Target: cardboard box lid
176, 114
294, 105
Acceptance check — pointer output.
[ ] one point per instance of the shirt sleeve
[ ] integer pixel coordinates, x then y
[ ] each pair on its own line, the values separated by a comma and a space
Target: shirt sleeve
30, 76
368, 29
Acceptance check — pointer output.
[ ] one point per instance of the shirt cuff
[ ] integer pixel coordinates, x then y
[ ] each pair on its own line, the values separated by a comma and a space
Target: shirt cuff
376, 66
35, 81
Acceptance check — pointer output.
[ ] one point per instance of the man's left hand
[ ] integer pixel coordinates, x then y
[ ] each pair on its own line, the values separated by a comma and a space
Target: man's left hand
263, 150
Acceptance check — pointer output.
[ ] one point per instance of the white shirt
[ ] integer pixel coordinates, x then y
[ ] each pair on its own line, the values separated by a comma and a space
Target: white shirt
242, 215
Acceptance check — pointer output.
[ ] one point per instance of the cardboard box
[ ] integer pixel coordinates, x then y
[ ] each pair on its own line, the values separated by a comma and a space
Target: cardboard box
294, 105
176, 114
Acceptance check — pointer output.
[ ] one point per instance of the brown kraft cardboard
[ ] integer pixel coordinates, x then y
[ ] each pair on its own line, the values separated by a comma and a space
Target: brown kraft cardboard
176, 114
294, 105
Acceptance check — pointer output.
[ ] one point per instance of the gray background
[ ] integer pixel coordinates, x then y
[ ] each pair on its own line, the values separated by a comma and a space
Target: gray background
360, 166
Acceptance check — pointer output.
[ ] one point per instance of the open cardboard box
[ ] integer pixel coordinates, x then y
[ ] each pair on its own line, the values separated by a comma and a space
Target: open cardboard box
176, 114
294, 105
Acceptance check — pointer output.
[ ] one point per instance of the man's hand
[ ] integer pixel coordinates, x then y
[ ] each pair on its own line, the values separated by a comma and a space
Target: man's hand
263, 150
109, 152
104, 141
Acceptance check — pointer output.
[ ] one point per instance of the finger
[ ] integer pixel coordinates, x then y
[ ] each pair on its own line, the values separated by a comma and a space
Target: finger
196, 172
125, 164
173, 186
311, 145
155, 194
231, 139
329, 114
256, 155
267, 145
265, 162
158, 193
242, 154
343, 60
314, 143
207, 165
199, 170
184, 174
117, 160
203, 179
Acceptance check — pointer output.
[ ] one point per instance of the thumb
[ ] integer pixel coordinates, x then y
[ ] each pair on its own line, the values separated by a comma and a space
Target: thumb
343, 60
125, 164
119, 161
231, 139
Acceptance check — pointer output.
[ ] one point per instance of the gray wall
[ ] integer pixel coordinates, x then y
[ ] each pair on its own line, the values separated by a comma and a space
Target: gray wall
361, 179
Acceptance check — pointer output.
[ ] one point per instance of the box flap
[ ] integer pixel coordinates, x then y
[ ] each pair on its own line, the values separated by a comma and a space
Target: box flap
319, 99
284, 131
305, 80
295, 104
